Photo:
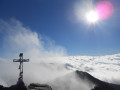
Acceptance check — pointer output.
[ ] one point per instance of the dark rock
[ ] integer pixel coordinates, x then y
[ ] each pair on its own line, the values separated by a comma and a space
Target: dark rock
37, 86
21, 86
1, 87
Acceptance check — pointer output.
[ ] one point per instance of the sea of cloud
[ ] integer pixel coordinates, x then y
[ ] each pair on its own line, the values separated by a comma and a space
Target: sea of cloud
106, 68
48, 61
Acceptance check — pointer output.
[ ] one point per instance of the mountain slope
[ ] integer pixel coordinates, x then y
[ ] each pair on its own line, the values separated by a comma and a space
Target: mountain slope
80, 80
99, 85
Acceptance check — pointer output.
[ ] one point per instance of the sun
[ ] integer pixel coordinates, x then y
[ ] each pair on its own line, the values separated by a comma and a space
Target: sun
92, 17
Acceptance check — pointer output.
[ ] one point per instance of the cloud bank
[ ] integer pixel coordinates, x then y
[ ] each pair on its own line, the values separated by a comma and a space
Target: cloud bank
71, 81
106, 68
41, 50
17, 38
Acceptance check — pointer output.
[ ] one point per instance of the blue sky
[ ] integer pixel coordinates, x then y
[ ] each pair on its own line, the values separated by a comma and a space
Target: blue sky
56, 19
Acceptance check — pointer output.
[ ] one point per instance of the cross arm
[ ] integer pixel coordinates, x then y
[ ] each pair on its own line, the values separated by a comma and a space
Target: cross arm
20, 60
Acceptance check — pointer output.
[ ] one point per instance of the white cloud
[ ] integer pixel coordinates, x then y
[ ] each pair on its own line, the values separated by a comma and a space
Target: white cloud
18, 38
106, 68
41, 50
71, 81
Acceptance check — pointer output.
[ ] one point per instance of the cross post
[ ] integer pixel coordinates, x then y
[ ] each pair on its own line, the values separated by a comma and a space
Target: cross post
21, 60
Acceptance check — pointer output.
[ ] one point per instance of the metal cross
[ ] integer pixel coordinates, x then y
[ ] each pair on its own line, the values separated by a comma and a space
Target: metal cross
21, 60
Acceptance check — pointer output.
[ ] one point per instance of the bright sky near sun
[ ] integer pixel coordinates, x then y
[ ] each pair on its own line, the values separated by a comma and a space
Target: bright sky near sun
92, 17
82, 27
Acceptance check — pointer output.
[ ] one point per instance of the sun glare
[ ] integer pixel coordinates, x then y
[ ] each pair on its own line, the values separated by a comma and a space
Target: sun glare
92, 17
